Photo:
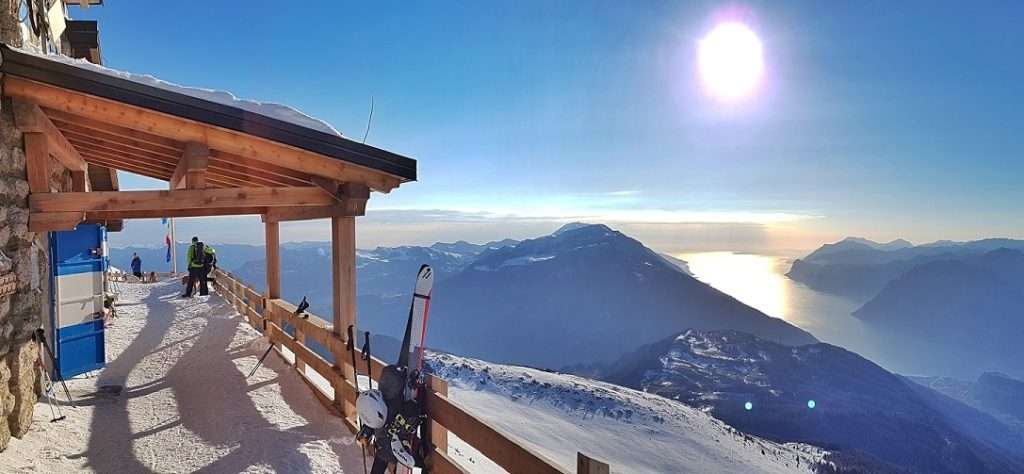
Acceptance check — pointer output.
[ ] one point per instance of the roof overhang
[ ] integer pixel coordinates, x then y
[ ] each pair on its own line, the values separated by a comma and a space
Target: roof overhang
83, 92
217, 159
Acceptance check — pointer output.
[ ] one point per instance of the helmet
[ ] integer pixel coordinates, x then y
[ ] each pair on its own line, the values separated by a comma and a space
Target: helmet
371, 408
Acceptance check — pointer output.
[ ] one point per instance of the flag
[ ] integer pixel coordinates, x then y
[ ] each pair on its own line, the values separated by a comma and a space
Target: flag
167, 237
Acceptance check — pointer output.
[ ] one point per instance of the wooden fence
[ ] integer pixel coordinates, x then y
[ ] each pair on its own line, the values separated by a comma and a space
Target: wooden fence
308, 338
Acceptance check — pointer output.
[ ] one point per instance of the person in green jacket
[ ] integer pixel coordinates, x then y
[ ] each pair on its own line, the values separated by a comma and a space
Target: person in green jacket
200, 258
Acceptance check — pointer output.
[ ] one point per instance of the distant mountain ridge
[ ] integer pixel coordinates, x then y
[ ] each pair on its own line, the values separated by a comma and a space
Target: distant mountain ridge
858, 268
969, 311
858, 406
574, 296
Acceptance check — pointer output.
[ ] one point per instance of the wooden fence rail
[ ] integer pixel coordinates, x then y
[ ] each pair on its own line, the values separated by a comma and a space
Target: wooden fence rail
312, 339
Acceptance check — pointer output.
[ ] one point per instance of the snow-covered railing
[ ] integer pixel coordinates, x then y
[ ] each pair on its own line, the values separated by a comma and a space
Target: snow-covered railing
316, 347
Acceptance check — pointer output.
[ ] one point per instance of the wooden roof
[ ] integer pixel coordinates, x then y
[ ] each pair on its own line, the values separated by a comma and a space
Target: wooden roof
87, 118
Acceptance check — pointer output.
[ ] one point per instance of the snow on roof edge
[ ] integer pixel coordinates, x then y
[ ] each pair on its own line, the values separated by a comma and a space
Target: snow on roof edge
272, 110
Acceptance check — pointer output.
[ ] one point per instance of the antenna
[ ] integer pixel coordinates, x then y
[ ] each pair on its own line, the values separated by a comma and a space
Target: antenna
369, 120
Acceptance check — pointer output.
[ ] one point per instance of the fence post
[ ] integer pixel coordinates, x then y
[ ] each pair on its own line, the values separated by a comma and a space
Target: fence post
586, 465
438, 433
300, 337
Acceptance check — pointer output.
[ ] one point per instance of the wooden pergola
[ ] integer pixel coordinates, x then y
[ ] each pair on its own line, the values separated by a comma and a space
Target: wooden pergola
83, 125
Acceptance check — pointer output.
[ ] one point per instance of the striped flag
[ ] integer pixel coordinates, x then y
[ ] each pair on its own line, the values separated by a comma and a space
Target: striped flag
167, 236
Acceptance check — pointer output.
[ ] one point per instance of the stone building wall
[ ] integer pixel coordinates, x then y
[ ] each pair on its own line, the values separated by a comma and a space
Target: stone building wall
25, 253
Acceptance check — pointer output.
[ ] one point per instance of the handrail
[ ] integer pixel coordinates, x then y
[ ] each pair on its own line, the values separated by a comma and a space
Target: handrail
445, 416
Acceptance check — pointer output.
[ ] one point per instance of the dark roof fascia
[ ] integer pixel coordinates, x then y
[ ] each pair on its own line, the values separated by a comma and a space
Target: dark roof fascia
58, 74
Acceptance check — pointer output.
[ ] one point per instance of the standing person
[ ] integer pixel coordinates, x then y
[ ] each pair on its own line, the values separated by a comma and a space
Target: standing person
137, 266
199, 258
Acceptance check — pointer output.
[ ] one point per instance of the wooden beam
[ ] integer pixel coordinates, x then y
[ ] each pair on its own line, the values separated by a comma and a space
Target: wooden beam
29, 118
186, 130
37, 162
191, 170
53, 221
100, 216
283, 214
79, 181
272, 243
178, 199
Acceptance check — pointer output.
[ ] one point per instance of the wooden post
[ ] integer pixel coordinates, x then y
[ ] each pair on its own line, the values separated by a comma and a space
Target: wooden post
343, 259
586, 465
438, 433
272, 241
37, 161
79, 180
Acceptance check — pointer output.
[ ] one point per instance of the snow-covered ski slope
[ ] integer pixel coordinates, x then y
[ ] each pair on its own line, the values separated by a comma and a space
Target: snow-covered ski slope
185, 405
557, 415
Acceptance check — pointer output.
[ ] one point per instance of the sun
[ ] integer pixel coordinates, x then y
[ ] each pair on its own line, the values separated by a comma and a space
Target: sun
730, 61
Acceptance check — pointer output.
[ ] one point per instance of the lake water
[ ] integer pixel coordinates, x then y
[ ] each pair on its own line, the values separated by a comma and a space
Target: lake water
760, 281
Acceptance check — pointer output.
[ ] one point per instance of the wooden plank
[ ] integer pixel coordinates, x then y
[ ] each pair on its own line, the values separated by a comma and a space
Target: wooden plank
263, 173
84, 121
29, 118
438, 433
81, 136
54, 221
315, 362
99, 216
79, 181
312, 328
126, 140
179, 199
284, 214
586, 465
272, 243
37, 162
497, 446
190, 173
185, 130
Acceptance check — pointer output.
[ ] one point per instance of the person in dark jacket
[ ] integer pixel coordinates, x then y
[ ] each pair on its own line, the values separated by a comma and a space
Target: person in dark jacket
136, 266
200, 258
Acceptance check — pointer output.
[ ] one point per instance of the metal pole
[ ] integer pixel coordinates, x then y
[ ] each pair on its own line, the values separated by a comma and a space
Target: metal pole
174, 251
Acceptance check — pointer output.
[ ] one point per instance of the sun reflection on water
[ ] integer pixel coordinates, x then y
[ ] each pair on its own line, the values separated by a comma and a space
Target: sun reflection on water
755, 280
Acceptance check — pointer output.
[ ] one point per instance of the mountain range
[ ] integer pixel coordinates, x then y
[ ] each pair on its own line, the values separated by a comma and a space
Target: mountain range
581, 295
825, 396
947, 308
858, 268
584, 294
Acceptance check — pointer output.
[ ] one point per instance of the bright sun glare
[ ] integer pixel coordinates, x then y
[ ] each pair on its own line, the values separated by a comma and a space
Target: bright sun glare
730, 61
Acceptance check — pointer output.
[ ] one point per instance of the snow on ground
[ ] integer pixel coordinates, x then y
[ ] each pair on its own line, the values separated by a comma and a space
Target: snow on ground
185, 404
557, 415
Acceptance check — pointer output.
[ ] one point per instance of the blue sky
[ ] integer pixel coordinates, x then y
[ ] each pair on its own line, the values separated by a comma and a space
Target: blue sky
878, 119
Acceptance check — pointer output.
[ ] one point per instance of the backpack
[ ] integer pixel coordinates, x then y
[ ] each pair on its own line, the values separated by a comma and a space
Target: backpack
199, 254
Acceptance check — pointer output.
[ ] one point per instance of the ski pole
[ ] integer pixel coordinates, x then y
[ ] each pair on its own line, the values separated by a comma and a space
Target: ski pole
53, 360
366, 357
351, 346
264, 356
49, 391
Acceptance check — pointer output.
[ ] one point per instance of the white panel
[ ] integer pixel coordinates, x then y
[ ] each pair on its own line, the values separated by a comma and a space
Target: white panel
79, 298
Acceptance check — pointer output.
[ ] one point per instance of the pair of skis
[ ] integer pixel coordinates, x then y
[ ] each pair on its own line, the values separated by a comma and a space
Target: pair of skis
402, 387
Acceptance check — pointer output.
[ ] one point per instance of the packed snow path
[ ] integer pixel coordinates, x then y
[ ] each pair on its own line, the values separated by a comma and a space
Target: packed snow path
174, 398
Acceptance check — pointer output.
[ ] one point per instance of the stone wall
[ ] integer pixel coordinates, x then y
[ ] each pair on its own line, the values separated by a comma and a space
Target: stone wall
25, 253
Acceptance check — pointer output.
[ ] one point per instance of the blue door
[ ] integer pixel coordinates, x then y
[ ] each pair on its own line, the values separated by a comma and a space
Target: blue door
78, 263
